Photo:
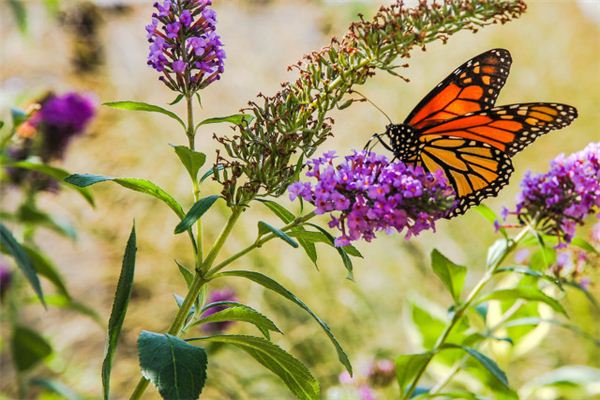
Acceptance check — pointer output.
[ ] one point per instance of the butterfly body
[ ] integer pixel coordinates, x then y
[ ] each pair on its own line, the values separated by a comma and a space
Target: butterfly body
457, 129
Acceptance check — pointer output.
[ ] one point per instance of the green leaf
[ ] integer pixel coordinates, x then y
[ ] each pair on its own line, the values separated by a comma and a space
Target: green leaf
264, 228
119, 309
175, 367
287, 217
486, 362
496, 252
176, 100
192, 160
188, 276
20, 14
27, 212
56, 387
136, 184
269, 283
291, 371
239, 312
28, 348
236, 119
535, 321
341, 251
53, 172
140, 106
8, 242
530, 272
46, 268
526, 293
452, 275
197, 211
59, 300
211, 171
407, 367
491, 217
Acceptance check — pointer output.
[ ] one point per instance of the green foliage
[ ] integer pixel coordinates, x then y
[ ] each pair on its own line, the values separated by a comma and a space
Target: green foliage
291, 371
235, 119
197, 211
523, 292
175, 367
140, 106
28, 347
119, 309
408, 366
57, 173
10, 244
264, 228
47, 269
270, 284
238, 312
191, 160
136, 184
487, 363
56, 387
452, 275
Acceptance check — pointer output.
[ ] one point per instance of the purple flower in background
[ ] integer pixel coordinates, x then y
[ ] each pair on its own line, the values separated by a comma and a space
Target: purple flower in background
215, 297
60, 119
183, 42
381, 373
561, 198
5, 279
367, 193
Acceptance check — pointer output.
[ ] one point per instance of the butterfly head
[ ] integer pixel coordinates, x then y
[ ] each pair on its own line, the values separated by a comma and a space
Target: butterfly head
404, 141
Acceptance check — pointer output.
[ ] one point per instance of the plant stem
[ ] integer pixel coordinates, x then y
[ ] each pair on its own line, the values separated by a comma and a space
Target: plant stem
191, 134
258, 243
460, 310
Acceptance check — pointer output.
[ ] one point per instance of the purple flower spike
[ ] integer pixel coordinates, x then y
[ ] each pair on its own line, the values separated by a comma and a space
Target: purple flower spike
216, 296
560, 199
183, 41
371, 194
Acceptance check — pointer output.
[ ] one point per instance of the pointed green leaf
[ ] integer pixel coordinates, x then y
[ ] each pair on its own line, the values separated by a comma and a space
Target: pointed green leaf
28, 348
408, 366
53, 172
192, 160
291, 371
136, 184
523, 292
140, 106
341, 251
530, 272
175, 367
264, 228
188, 276
275, 286
211, 171
8, 242
496, 252
239, 312
46, 268
197, 211
236, 119
119, 309
20, 14
176, 100
486, 362
452, 275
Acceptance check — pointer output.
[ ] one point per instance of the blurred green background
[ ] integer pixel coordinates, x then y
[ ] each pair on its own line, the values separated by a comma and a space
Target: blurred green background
555, 48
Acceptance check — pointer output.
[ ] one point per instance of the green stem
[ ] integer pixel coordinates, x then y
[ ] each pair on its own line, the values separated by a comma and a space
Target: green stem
212, 255
258, 243
487, 277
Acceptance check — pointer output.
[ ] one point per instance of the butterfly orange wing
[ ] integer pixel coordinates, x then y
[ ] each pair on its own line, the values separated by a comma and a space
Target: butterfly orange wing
507, 128
472, 87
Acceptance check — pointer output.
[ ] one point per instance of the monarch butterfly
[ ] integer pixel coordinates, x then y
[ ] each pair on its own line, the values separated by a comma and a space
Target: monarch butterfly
457, 129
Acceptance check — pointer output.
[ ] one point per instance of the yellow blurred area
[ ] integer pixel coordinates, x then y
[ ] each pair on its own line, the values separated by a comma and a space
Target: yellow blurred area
555, 48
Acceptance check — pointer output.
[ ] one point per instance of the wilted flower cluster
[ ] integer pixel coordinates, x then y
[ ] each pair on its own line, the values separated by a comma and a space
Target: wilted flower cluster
49, 128
371, 194
184, 45
214, 297
561, 198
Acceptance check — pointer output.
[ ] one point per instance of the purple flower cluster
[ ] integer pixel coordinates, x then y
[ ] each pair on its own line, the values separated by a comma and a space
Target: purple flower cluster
47, 133
561, 198
216, 296
184, 46
372, 194
5, 279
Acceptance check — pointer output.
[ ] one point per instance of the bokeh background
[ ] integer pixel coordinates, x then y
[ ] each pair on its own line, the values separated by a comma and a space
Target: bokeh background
99, 46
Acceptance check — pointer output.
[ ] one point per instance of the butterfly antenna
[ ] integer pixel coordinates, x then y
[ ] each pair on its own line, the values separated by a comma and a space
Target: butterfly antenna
373, 104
